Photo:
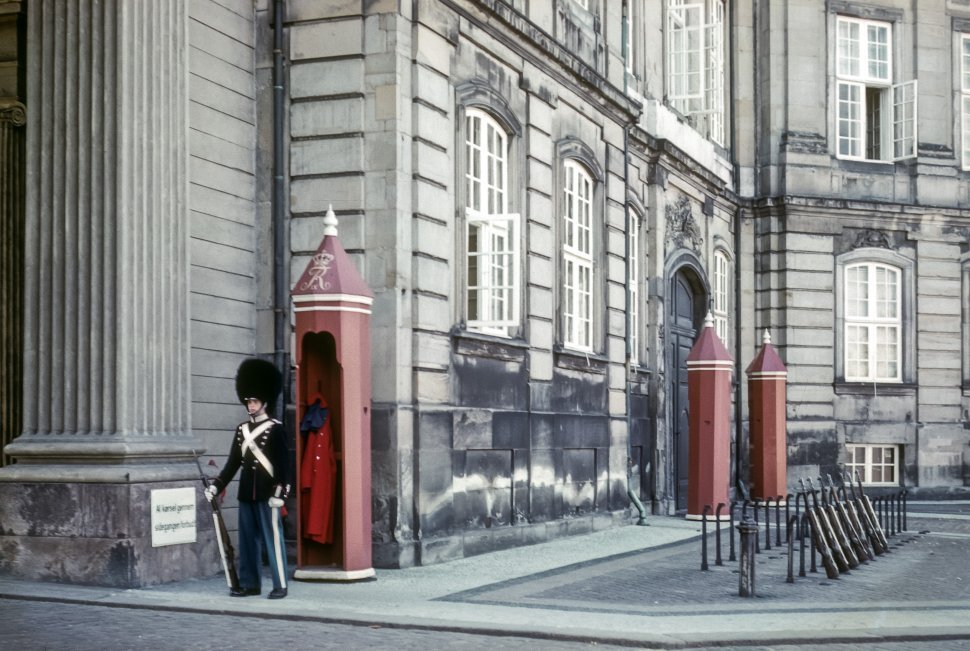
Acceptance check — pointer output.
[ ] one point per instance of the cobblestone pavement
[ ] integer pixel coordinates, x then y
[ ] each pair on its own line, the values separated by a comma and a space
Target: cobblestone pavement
624, 593
919, 570
34, 626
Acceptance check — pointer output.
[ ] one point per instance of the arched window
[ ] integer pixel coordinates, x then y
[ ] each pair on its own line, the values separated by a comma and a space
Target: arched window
491, 231
873, 347
577, 250
875, 316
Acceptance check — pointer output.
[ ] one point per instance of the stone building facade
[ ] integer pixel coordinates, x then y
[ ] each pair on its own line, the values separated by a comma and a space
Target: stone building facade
546, 197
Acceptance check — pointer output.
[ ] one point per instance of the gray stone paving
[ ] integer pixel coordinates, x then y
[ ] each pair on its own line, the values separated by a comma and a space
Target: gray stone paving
632, 587
30, 626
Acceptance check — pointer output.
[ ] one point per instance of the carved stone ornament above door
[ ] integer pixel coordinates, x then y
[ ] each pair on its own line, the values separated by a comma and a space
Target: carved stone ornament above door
682, 228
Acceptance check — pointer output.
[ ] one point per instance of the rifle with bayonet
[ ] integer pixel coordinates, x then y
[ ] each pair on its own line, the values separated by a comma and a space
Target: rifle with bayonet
226, 552
845, 543
818, 535
848, 512
863, 515
879, 537
833, 542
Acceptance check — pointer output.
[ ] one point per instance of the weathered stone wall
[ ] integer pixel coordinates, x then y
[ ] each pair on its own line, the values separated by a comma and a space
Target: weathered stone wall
924, 413
828, 202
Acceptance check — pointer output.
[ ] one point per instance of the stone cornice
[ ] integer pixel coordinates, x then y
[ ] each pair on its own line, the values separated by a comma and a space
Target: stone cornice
831, 206
540, 47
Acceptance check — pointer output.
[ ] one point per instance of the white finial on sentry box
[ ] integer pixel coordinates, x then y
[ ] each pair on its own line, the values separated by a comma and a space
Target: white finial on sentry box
766, 337
330, 223
709, 320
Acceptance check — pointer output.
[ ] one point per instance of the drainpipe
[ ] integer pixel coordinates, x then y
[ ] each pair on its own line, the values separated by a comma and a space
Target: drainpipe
738, 217
642, 519
280, 303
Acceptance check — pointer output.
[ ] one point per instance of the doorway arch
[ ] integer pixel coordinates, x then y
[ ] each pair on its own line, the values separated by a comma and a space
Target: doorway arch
688, 293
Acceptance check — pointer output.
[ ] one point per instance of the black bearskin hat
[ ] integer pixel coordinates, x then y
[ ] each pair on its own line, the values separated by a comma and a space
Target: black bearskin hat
257, 378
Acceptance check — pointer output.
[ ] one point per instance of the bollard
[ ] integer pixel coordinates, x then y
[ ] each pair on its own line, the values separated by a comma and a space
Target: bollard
788, 498
717, 533
889, 515
905, 509
778, 520
891, 505
806, 531
802, 526
748, 534
757, 539
731, 557
791, 550
707, 508
767, 524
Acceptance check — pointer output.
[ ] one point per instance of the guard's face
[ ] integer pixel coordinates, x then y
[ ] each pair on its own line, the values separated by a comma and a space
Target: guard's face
255, 406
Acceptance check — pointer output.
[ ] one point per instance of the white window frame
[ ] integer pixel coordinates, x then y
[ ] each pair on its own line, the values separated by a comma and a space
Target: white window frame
873, 459
965, 99
627, 37
872, 327
633, 286
695, 61
721, 290
577, 251
492, 241
858, 74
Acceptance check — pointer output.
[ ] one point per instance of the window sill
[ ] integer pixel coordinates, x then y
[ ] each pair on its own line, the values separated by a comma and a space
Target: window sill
477, 344
578, 360
874, 389
638, 371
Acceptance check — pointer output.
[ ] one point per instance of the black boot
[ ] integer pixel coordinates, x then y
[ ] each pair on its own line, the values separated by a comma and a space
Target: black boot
277, 593
243, 592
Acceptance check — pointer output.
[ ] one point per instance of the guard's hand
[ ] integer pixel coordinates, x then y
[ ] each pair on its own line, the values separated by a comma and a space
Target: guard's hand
210, 492
274, 502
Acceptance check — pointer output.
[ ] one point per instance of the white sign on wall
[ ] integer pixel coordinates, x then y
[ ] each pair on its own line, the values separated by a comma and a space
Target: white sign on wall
173, 516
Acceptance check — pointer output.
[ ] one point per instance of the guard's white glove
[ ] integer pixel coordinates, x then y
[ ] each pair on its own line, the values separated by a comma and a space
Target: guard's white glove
274, 502
210, 492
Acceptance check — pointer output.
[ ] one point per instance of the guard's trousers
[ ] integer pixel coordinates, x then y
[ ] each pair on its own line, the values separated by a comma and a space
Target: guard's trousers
260, 523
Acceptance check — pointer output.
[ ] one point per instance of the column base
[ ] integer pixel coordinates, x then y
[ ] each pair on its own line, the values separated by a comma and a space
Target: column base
97, 534
89, 521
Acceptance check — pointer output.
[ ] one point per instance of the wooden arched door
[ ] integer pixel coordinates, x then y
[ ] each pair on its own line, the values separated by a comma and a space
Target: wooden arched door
682, 334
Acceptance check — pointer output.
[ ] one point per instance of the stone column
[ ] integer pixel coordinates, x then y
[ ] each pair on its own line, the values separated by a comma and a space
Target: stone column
12, 129
106, 369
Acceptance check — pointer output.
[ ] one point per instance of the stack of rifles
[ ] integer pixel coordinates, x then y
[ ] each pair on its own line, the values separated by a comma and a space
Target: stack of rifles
844, 531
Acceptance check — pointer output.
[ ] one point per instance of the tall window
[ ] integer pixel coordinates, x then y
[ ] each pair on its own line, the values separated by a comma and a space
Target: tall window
577, 257
872, 323
633, 286
876, 464
876, 118
965, 96
722, 297
695, 63
491, 231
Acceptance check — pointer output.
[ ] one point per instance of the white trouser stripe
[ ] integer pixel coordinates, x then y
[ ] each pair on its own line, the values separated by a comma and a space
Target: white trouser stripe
275, 516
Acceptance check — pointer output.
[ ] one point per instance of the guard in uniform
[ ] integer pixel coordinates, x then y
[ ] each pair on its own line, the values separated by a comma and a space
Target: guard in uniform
259, 449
